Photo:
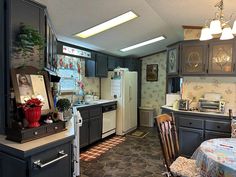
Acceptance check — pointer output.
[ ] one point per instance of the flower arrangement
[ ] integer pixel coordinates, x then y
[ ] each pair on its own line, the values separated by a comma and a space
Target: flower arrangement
32, 110
31, 103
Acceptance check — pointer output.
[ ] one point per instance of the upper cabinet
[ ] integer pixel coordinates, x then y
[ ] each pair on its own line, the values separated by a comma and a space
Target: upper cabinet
173, 59
221, 57
101, 65
194, 56
114, 62
96, 67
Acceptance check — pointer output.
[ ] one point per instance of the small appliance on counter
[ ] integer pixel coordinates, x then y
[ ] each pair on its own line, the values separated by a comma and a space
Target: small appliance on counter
212, 102
184, 104
171, 98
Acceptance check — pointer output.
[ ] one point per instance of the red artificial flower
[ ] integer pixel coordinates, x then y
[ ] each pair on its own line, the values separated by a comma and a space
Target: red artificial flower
31, 103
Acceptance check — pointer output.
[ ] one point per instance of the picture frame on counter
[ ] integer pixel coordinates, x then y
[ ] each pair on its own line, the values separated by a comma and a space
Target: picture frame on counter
29, 82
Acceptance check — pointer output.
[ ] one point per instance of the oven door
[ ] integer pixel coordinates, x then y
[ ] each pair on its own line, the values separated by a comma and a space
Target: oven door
109, 123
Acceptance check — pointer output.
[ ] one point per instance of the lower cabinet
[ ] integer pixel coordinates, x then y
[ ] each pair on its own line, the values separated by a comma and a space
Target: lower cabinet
189, 140
54, 162
84, 135
91, 129
95, 130
7, 163
194, 128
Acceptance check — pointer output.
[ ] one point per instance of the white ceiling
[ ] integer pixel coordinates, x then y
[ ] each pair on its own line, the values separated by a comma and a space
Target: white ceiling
156, 17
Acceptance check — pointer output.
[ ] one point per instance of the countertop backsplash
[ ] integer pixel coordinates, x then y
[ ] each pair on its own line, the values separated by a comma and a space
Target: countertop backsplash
198, 86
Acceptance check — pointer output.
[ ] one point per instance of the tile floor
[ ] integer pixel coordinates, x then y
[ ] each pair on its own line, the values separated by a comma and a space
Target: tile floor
136, 157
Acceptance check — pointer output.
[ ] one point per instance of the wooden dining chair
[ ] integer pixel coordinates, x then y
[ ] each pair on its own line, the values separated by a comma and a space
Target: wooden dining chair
175, 164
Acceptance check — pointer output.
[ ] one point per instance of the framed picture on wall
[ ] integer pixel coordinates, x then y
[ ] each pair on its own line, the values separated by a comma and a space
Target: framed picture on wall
152, 72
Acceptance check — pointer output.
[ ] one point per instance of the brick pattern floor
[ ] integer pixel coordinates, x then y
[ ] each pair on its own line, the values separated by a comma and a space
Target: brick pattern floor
101, 148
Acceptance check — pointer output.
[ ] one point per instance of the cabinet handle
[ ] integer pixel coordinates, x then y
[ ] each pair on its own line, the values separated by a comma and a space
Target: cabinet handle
35, 133
56, 128
218, 126
234, 67
39, 164
190, 123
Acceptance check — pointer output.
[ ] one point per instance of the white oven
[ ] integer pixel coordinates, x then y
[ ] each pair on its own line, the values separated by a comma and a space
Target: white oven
109, 119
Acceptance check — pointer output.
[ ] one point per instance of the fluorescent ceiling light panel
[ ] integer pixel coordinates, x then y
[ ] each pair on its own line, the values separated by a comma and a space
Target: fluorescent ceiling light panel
143, 43
107, 25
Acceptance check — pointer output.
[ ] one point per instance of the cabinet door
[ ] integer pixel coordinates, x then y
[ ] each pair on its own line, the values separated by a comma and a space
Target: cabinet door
89, 68
95, 129
84, 133
189, 140
213, 134
54, 162
11, 166
221, 57
101, 65
173, 60
114, 62
193, 58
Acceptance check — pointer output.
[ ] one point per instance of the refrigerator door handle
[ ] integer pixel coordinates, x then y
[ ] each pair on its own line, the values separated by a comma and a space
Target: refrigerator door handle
130, 97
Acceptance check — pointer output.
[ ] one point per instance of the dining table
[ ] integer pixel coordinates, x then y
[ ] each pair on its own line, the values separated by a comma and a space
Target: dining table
216, 157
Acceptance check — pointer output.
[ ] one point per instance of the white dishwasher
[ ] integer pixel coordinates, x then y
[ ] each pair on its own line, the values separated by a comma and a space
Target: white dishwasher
109, 119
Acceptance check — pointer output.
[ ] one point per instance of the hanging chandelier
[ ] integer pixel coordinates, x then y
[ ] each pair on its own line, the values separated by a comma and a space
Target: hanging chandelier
218, 26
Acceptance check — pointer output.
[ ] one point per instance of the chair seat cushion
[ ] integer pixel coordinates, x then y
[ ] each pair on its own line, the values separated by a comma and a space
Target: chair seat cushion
184, 167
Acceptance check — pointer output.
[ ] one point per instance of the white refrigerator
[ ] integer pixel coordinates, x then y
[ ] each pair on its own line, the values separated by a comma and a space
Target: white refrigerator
121, 85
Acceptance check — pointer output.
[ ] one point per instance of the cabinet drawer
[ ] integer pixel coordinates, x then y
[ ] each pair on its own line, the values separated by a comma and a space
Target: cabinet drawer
95, 111
54, 162
191, 123
218, 126
56, 127
33, 134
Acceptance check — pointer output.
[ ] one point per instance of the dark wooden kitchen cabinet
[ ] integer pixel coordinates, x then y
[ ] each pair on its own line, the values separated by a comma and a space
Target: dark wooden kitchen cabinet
195, 127
54, 160
96, 67
194, 56
114, 62
91, 130
189, 140
95, 129
101, 65
221, 57
173, 59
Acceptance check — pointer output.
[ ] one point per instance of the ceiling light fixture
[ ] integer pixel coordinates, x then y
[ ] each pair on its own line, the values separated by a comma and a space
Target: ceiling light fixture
218, 26
107, 25
143, 43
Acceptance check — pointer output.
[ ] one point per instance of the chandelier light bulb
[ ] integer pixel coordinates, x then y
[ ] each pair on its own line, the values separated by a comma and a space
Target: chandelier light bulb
205, 34
226, 33
215, 27
234, 28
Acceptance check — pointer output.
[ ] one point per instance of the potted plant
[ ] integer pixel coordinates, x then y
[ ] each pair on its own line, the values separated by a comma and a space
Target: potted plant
32, 111
29, 41
63, 105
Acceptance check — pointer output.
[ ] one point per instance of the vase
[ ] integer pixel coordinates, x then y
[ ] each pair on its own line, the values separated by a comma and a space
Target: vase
32, 115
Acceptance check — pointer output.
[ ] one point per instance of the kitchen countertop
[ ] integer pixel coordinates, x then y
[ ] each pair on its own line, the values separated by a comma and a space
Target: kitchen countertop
94, 103
196, 112
26, 149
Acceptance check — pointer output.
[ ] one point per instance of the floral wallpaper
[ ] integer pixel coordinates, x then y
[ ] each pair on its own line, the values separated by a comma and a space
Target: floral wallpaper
153, 93
197, 86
